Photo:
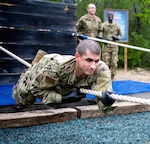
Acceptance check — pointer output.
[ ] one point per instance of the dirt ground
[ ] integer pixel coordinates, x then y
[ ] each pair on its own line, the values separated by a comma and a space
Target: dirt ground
138, 74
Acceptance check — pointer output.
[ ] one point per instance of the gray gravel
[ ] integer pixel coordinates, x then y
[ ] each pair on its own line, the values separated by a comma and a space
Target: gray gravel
122, 129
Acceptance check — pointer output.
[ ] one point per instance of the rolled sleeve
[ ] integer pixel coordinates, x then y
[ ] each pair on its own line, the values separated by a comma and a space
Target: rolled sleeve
103, 82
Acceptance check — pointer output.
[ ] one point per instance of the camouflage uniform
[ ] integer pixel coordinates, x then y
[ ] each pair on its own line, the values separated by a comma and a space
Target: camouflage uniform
55, 75
89, 26
109, 51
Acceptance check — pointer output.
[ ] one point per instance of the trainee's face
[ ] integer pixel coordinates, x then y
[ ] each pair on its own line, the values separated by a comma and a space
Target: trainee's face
110, 15
88, 63
91, 9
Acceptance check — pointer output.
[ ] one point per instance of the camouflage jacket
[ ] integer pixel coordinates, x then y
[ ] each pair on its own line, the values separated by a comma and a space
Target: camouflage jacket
110, 30
55, 75
89, 26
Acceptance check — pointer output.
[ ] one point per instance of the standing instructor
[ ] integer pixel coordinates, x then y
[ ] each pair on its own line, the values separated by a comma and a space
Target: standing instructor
89, 24
111, 31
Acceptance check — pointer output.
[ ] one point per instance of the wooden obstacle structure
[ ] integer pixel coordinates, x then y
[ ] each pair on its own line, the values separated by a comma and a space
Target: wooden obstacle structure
27, 26
41, 114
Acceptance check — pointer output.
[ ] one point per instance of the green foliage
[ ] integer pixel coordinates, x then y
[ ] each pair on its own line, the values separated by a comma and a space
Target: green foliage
146, 60
139, 23
137, 58
134, 58
144, 15
81, 8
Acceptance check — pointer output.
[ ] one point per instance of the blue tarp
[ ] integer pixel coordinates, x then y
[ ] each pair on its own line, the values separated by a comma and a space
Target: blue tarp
122, 87
6, 95
130, 87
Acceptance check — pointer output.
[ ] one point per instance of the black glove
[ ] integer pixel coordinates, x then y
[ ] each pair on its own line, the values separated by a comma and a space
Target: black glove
115, 38
74, 96
97, 36
106, 98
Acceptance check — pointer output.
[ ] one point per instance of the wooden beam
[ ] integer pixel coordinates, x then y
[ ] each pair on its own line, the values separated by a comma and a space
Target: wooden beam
29, 118
125, 59
122, 108
42, 114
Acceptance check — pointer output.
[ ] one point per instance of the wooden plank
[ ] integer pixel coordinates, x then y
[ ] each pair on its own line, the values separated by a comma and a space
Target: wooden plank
122, 108
11, 66
36, 7
37, 117
31, 14
125, 59
26, 26
50, 115
26, 51
9, 78
36, 37
35, 21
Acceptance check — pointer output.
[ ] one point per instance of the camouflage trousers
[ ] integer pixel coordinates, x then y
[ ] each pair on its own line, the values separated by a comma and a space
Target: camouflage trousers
111, 59
20, 91
22, 94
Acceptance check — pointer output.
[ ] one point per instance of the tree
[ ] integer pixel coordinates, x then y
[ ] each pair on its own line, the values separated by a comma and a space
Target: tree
139, 21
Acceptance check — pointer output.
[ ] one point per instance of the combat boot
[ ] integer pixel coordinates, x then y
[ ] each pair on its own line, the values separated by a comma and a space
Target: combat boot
112, 76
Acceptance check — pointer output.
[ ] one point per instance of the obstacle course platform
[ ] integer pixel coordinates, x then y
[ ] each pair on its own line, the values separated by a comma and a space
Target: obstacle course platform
123, 87
41, 114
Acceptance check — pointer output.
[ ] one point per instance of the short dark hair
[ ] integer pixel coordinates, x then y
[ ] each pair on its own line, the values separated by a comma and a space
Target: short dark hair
90, 45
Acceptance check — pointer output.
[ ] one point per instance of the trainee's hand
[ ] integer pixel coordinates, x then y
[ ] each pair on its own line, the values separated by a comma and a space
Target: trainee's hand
106, 98
74, 96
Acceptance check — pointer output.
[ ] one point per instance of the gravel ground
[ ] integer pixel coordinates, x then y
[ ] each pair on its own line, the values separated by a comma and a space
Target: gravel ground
137, 74
123, 129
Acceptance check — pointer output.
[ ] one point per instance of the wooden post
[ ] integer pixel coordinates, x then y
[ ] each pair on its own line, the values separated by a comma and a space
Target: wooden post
125, 59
